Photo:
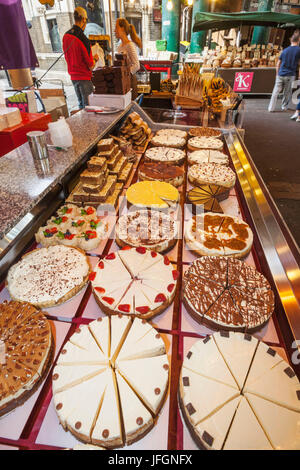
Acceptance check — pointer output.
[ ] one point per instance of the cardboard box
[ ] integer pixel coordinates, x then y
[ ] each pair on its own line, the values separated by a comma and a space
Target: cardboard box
10, 117
55, 103
116, 101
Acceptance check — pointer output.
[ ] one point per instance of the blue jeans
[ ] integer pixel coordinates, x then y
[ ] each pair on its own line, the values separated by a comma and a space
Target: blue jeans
83, 89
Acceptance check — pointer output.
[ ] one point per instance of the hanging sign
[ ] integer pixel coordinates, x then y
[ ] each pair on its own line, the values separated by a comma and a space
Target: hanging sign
243, 82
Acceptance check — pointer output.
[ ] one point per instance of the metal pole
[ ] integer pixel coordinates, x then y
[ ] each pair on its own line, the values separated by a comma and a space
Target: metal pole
198, 40
111, 30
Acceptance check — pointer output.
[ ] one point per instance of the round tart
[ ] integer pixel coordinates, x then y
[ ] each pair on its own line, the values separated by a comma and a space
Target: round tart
166, 155
134, 281
236, 393
212, 173
153, 230
110, 381
226, 293
172, 132
207, 156
152, 194
26, 353
161, 171
168, 140
218, 235
210, 143
205, 132
49, 276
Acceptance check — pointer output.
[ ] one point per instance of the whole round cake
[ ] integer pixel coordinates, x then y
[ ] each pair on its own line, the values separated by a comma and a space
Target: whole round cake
236, 393
161, 171
207, 156
152, 194
172, 132
199, 143
218, 235
26, 352
165, 155
134, 281
168, 140
49, 276
205, 132
212, 173
110, 381
226, 293
153, 230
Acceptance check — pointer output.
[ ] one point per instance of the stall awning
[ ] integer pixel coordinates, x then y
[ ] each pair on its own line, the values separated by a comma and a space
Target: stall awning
221, 21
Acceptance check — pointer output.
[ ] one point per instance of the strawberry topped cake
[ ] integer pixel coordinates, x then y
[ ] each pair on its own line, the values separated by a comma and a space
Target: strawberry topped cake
134, 281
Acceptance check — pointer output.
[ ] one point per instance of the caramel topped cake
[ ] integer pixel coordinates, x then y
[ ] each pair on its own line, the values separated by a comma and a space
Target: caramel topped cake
25, 352
205, 132
154, 230
161, 171
227, 293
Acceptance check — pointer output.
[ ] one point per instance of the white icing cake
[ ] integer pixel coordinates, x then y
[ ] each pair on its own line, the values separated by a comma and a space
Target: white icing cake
205, 143
212, 173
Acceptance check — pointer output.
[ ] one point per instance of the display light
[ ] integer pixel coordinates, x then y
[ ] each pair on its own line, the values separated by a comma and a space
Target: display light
169, 5
190, 2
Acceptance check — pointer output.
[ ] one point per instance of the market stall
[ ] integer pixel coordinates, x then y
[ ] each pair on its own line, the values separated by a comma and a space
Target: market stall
174, 323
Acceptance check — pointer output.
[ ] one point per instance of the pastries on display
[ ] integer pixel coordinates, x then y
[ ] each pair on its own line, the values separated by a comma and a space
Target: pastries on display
48, 276
236, 393
207, 197
226, 293
164, 154
153, 230
205, 132
204, 143
207, 156
136, 131
134, 281
218, 235
26, 352
168, 140
74, 226
172, 132
212, 173
152, 194
112, 398
162, 171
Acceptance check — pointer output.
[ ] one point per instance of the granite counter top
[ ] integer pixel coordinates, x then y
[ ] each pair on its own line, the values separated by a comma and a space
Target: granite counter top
24, 181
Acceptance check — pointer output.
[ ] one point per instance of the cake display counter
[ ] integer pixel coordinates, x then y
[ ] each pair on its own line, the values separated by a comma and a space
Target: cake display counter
156, 247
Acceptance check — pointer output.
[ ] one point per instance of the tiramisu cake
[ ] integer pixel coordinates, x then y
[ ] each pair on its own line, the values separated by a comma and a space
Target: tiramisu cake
207, 156
205, 132
161, 171
152, 194
110, 381
212, 173
166, 155
26, 352
236, 393
227, 293
218, 235
202, 143
49, 276
153, 230
134, 281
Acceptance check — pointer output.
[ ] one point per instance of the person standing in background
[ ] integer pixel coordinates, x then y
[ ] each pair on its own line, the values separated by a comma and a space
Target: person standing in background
79, 57
122, 31
286, 69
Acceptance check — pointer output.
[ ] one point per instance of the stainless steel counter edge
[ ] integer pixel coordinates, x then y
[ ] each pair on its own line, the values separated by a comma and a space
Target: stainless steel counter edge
25, 182
282, 263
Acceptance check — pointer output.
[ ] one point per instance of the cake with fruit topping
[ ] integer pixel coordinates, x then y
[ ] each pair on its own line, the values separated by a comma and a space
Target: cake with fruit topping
134, 281
111, 380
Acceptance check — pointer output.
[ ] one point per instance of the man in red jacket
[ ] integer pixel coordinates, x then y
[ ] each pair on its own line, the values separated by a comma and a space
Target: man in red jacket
78, 54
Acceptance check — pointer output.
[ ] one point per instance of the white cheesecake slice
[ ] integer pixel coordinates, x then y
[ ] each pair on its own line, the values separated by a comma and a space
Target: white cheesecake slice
142, 305
113, 297
278, 385
281, 425
85, 340
151, 344
112, 268
68, 376
246, 432
136, 417
88, 400
126, 302
119, 327
202, 396
72, 354
138, 259
205, 359
237, 350
107, 430
100, 330
154, 287
137, 331
162, 271
265, 359
151, 388
213, 430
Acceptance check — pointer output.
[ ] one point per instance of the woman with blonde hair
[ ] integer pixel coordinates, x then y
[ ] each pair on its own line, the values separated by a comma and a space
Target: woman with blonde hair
123, 30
